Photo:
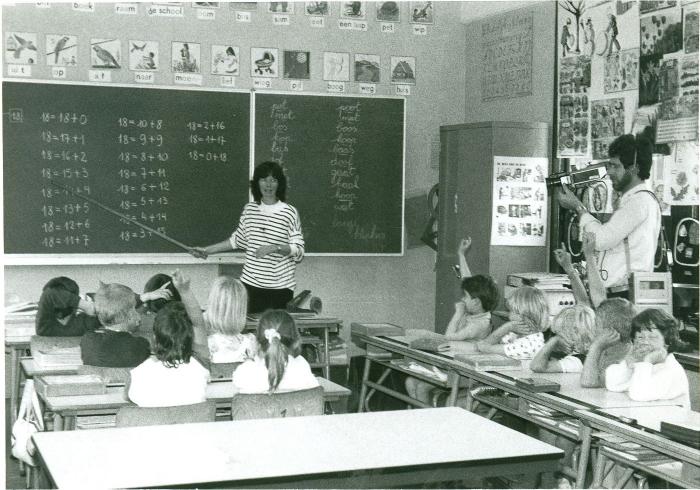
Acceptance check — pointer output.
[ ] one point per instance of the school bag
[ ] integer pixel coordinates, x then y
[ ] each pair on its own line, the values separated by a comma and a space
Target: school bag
29, 420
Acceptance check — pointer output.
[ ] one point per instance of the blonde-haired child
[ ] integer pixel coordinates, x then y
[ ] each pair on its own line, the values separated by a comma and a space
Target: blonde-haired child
521, 337
278, 365
224, 320
574, 329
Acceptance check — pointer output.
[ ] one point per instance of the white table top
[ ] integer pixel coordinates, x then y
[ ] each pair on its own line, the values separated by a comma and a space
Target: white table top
651, 417
241, 450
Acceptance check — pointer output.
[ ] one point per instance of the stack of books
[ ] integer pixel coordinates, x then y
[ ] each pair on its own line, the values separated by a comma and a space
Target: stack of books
57, 357
489, 362
68, 385
540, 280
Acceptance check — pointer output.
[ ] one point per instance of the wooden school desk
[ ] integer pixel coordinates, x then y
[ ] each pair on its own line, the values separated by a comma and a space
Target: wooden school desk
393, 448
683, 467
397, 346
312, 322
66, 408
18, 331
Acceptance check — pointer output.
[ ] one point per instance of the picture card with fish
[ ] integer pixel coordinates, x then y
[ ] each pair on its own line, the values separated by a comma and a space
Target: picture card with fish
106, 53
388, 11
61, 50
144, 55
297, 65
264, 62
186, 57
421, 12
336, 66
367, 68
281, 7
353, 10
403, 70
21, 48
225, 60
317, 8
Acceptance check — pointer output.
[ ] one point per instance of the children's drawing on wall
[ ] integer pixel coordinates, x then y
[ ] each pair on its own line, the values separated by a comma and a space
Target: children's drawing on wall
649, 71
588, 31
336, 66
225, 60
353, 10
388, 12
668, 79
264, 62
422, 13
143, 55
297, 65
622, 7
317, 8
621, 71
403, 70
61, 50
20, 48
682, 176
574, 85
105, 53
607, 123
186, 57
244, 6
611, 44
689, 75
281, 7
661, 33
690, 31
657, 182
367, 68
646, 6
678, 119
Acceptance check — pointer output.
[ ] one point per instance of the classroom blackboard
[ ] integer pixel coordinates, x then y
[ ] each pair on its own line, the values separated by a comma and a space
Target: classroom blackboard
343, 157
175, 160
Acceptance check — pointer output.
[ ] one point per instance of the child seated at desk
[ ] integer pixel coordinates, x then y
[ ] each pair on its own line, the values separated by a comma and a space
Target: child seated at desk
114, 345
522, 336
650, 371
565, 351
224, 320
57, 314
470, 321
171, 376
278, 364
611, 344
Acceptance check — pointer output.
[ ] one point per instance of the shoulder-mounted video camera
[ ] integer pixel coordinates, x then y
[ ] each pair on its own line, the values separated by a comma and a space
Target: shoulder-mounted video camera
577, 178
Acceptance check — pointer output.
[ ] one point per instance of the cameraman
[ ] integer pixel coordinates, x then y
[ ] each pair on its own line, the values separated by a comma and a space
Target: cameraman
627, 242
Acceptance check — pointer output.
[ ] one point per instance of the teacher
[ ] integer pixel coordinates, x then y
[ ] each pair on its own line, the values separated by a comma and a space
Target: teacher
270, 233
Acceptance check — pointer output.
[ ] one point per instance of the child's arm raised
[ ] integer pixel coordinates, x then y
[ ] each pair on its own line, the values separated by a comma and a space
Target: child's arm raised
194, 311
563, 258
595, 282
461, 254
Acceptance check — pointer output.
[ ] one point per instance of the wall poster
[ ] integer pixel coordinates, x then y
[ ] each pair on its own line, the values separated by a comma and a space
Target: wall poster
519, 215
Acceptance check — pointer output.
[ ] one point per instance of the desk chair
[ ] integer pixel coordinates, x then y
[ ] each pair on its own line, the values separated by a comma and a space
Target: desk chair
109, 375
277, 405
183, 414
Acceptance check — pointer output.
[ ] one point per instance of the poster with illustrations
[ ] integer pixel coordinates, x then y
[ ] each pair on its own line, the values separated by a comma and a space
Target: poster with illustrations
668, 79
106, 53
661, 33
519, 215
143, 55
657, 180
20, 48
678, 119
186, 57
607, 123
649, 71
690, 30
646, 6
681, 177
574, 84
688, 80
225, 60
61, 50
621, 71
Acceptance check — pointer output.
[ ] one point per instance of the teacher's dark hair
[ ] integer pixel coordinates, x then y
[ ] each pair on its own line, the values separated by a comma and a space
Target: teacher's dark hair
265, 169
173, 335
630, 149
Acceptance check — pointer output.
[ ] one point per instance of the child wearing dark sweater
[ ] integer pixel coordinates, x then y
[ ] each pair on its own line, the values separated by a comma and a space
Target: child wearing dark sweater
58, 315
114, 345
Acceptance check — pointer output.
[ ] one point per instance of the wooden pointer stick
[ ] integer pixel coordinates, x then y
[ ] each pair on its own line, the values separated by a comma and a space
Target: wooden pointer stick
120, 215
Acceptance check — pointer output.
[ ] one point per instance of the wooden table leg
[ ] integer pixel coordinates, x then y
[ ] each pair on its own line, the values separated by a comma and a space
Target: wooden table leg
57, 422
363, 386
583, 458
14, 386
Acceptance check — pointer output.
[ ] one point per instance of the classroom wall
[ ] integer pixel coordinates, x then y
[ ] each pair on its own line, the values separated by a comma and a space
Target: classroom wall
396, 289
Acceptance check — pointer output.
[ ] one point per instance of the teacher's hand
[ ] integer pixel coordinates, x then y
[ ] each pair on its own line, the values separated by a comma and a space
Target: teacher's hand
199, 252
568, 199
265, 250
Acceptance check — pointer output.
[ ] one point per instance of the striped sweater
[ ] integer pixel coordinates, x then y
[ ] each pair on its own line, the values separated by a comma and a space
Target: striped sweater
263, 224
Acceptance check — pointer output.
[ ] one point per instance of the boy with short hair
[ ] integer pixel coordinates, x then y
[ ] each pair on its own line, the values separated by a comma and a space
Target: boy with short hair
57, 314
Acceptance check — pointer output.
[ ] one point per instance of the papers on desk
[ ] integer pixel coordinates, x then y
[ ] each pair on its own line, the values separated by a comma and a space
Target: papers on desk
489, 362
26, 308
431, 372
57, 357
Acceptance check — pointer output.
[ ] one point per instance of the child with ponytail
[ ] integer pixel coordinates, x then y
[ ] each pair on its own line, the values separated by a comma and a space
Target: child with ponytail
278, 365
